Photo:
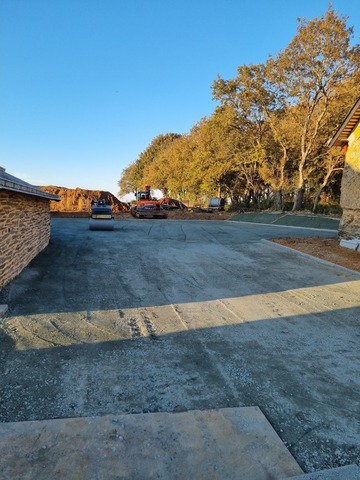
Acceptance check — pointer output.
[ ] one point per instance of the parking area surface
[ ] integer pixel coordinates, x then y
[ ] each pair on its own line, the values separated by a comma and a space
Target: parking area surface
170, 316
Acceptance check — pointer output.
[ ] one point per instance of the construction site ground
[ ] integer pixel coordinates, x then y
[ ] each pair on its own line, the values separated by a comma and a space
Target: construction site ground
327, 249
136, 353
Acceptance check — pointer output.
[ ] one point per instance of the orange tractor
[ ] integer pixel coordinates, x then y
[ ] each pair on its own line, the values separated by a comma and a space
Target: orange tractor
147, 206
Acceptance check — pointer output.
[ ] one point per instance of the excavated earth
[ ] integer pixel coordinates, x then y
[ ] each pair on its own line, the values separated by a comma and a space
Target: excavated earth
325, 249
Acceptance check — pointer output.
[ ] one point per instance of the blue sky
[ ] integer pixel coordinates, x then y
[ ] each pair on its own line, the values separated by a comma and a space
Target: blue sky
85, 85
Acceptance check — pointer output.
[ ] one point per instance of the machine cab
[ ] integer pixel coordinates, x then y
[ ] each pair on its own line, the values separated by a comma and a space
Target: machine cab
144, 194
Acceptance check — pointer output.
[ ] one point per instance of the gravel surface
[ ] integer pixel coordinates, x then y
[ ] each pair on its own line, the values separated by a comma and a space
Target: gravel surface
169, 316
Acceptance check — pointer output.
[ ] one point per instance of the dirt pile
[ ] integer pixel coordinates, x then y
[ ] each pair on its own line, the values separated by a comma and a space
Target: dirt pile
79, 200
171, 203
324, 248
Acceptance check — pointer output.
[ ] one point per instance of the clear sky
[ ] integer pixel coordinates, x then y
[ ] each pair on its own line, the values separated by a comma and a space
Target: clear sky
85, 85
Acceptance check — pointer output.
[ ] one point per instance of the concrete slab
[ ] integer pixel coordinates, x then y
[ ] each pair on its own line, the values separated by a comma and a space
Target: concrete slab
229, 443
289, 219
350, 472
352, 244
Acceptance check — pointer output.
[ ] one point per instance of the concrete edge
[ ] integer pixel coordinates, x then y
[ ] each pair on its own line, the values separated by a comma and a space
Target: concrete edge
307, 255
231, 442
348, 472
283, 226
353, 244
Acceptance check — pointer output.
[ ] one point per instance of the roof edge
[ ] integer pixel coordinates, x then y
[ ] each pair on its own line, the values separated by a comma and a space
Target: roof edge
11, 183
335, 139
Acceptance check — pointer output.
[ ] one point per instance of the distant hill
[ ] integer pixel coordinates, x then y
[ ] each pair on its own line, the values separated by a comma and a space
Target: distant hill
79, 200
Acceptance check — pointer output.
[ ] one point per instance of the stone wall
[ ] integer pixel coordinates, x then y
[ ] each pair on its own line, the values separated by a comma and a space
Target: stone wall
24, 231
350, 189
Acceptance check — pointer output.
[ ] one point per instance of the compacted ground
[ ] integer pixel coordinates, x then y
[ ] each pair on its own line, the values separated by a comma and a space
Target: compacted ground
324, 248
170, 316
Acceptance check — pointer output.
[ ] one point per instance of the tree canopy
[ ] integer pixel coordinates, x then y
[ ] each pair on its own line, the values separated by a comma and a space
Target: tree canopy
266, 142
132, 177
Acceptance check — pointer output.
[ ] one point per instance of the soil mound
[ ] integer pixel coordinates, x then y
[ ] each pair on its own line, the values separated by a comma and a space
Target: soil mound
79, 200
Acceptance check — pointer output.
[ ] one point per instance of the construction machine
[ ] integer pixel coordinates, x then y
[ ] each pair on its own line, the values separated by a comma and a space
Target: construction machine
101, 216
147, 206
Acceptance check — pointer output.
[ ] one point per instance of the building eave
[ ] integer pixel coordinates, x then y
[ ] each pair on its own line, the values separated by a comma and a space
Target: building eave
342, 135
13, 184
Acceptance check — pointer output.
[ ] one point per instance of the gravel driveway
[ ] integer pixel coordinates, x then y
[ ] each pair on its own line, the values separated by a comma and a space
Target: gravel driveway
169, 316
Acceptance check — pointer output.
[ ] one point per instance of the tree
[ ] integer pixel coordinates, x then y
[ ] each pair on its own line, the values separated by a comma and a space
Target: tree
332, 162
128, 180
269, 135
226, 147
304, 77
133, 176
170, 169
292, 95
264, 122
215, 145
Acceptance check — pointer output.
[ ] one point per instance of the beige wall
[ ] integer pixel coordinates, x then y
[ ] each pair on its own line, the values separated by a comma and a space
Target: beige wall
24, 231
350, 189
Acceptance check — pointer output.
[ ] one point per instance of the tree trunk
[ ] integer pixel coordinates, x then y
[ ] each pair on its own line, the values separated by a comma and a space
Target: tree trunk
299, 198
317, 198
278, 199
323, 185
248, 197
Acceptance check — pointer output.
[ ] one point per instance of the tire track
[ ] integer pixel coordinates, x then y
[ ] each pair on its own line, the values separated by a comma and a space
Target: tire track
142, 328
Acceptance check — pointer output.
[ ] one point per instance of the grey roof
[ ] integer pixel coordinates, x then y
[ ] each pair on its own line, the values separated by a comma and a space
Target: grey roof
342, 135
9, 182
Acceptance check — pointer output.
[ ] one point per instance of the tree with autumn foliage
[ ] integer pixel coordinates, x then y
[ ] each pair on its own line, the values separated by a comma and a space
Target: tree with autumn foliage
171, 169
304, 77
267, 139
293, 92
262, 128
132, 177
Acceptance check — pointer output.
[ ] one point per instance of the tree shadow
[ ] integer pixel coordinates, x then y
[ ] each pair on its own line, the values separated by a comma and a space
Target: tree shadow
302, 371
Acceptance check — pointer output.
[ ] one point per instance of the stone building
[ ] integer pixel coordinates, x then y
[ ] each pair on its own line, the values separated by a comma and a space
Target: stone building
24, 224
348, 137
